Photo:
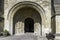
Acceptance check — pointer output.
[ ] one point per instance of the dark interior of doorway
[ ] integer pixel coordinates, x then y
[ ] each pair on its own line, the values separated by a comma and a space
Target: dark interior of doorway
29, 25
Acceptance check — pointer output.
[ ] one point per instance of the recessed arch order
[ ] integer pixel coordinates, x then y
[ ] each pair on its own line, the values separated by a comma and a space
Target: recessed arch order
19, 5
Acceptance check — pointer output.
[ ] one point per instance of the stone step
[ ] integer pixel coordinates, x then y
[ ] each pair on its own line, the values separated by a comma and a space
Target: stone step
27, 36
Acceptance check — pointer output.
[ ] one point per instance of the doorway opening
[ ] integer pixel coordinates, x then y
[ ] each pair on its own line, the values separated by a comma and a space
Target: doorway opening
29, 25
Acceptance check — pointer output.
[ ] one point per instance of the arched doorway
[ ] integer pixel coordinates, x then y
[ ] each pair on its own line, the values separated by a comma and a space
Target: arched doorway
28, 21
37, 19
29, 25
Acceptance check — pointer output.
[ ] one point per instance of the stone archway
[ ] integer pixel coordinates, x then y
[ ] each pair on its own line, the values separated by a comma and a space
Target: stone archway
28, 21
20, 5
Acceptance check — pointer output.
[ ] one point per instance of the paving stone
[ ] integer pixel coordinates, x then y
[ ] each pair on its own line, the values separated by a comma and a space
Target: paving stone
23, 37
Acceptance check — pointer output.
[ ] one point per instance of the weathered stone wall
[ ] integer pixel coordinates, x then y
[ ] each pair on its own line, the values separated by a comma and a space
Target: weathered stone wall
57, 15
1, 25
1, 8
57, 18
58, 24
1, 15
53, 24
45, 4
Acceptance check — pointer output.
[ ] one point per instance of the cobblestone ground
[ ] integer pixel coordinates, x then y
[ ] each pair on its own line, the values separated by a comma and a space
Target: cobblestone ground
23, 37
